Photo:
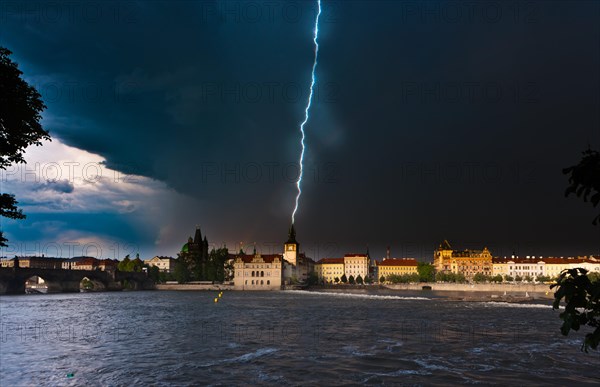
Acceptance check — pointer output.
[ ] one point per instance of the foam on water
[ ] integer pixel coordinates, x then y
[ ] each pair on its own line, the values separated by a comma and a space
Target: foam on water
513, 305
243, 358
356, 295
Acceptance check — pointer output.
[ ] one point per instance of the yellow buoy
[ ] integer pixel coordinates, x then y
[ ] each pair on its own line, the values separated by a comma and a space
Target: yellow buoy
216, 300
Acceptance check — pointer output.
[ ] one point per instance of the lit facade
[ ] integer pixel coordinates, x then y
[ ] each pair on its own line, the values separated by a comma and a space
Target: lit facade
396, 266
356, 264
258, 272
465, 262
328, 269
534, 267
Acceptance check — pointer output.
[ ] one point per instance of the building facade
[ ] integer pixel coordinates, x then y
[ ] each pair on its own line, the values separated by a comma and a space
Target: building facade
258, 272
328, 269
533, 267
356, 265
465, 262
164, 264
396, 266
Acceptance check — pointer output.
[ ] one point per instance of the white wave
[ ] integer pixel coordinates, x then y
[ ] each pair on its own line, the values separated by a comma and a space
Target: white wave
356, 295
396, 374
242, 358
252, 355
513, 305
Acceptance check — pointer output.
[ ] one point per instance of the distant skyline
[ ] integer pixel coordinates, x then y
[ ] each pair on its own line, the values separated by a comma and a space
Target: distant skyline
431, 121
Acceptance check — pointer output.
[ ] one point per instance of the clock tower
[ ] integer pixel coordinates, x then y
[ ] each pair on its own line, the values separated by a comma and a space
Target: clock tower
291, 247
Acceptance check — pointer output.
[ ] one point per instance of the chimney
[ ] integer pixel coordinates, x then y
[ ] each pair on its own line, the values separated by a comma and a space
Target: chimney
387, 254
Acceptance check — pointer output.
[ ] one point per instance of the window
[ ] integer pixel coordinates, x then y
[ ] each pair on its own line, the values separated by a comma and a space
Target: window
252, 282
252, 273
262, 273
262, 282
268, 282
246, 282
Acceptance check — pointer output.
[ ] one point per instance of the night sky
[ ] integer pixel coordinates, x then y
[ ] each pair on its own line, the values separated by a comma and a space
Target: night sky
431, 121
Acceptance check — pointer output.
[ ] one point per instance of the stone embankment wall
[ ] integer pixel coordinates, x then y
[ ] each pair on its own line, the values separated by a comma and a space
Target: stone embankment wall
509, 288
193, 287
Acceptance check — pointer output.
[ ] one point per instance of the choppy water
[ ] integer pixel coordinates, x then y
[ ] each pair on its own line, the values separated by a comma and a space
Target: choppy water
275, 338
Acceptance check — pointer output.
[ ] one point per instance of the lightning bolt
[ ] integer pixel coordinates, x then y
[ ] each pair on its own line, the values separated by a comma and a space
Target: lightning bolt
310, 96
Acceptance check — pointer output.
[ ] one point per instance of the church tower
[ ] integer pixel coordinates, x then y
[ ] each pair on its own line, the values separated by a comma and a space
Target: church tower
291, 247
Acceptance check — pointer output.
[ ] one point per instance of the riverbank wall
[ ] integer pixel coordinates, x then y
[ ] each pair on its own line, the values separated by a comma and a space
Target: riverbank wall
452, 287
193, 287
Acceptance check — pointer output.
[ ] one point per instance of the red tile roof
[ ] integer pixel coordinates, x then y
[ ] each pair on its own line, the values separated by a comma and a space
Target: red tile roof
398, 262
355, 255
268, 258
330, 261
86, 261
550, 260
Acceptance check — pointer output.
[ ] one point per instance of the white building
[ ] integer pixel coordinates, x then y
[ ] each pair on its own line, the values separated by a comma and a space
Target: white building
164, 264
356, 264
258, 272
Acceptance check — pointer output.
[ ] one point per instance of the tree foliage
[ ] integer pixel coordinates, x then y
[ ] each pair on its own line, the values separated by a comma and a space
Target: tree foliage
450, 277
426, 272
582, 297
497, 278
21, 109
480, 278
402, 279
181, 272
124, 264
584, 179
344, 279
359, 280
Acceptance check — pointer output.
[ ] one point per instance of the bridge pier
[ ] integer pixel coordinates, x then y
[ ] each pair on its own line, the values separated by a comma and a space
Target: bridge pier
12, 286
63, 287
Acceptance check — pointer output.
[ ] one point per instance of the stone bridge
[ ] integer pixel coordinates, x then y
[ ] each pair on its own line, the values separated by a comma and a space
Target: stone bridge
12, 280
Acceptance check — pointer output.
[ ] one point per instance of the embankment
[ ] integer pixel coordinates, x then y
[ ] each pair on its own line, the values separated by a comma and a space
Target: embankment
193, 287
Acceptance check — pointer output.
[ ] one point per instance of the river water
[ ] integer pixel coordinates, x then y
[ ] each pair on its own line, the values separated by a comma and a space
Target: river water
290, 338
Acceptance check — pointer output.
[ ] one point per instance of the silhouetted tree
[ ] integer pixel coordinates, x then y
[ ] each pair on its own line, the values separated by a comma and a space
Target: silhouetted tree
584, 179
359, 280
344, 279
153, 273
181, 272
582, 297
351, 280
21, 107
124, 264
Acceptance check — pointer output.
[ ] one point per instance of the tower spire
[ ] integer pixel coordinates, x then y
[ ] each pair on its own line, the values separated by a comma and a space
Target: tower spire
292, 235
198, 235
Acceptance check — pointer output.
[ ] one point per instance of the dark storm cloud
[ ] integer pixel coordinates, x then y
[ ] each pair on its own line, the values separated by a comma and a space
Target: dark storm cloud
59, 186
432, 119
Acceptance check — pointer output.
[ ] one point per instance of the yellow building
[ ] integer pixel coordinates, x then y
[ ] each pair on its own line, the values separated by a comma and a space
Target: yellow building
328, 269
396, 266
465, 262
